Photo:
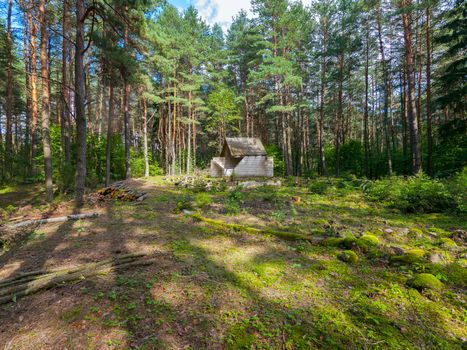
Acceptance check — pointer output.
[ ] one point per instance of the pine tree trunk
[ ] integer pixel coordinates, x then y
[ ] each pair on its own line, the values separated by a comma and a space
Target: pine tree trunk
65, 116
27, 64
9, 96
322, 170
34, 104
110, 118
365, 107
429, 121
145, 138
189, 126
45, 105
126, 109
412, 115
80, 104
386, 96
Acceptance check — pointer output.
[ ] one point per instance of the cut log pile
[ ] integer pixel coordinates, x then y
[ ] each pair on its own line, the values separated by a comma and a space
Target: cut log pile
31, 282
120, 190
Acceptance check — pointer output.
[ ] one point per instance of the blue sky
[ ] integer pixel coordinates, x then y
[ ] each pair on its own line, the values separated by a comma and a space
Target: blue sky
215, 11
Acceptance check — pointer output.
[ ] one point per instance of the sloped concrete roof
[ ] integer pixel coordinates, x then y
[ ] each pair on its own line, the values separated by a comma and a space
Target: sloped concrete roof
245, 146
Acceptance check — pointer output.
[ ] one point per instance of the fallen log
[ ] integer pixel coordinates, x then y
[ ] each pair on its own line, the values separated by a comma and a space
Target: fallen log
290, 236
32, 275
53, 220
55, 280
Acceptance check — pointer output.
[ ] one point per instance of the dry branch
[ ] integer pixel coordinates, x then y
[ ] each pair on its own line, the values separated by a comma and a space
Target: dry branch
32, 275
52, 220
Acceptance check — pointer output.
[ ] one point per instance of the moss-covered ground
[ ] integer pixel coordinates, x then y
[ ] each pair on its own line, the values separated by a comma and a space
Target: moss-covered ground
254, 268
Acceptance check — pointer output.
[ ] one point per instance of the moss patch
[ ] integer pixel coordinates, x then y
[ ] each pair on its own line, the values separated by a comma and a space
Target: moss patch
348, 256
409, 257
425, 281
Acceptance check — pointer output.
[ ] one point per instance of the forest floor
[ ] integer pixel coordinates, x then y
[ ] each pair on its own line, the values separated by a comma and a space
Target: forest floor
216, 286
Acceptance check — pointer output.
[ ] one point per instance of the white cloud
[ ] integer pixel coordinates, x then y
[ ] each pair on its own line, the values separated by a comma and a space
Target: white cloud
221, 11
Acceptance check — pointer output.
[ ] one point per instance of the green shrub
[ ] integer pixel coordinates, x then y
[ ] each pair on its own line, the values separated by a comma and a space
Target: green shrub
236, 194
458, 189
416, 194
415, 233
183, 204
137, 165
318, 187
425, 281
447, 242
202, 200
279, 164
348, 256
456, 275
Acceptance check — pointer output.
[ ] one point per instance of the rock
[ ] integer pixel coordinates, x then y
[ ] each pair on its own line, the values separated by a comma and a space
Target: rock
403, 230
415, 233
409, 257
425, 281
187, 212
367, 241
436, 258
254, 184
433, 234
348, 256
388, 230
398, 250
459, 236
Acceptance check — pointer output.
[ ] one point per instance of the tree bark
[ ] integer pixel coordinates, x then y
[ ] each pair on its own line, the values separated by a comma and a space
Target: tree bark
145, 137
429, 121
365, 107
126, 109
34, 104
386, 96
80, 112
412, 117
27, 80
45, 105
9, 96
110, 118
322, 170
65, 116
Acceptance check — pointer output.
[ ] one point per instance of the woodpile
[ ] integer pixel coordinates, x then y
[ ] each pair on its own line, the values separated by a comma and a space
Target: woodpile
121, 191
31, 282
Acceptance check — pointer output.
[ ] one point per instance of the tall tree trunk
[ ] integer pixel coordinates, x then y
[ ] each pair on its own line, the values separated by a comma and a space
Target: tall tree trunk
365, 107
339, 114
145, 137
65, 116
110, 118
386, 95
9, 96
189, 126
45, 105
27, 80
412, 117
126, 108
34, 104
80, 95
322, 170
429, 131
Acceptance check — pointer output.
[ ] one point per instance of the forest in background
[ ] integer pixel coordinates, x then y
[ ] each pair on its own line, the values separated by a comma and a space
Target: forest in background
94, 91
